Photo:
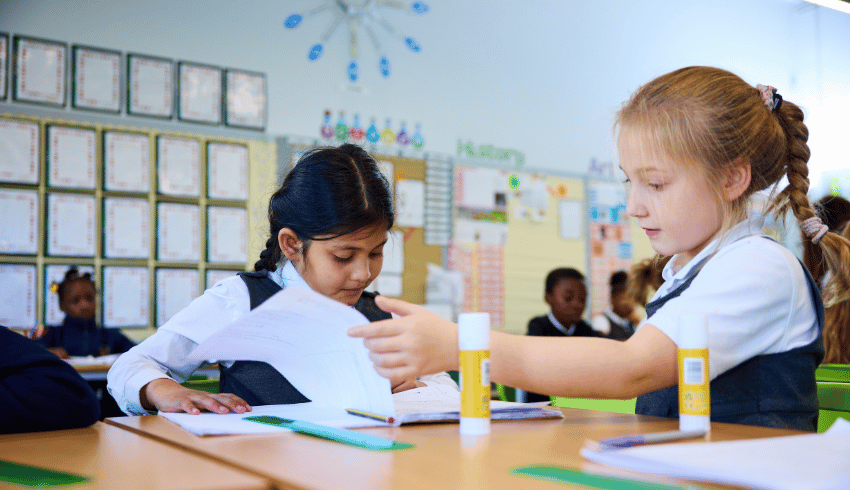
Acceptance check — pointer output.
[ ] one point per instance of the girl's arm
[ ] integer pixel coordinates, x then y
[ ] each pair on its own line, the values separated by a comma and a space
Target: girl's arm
420, 342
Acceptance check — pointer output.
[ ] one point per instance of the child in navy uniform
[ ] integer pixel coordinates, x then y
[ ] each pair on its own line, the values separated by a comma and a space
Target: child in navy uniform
694, 145
38, 391
328, 224
79, 334
618, 321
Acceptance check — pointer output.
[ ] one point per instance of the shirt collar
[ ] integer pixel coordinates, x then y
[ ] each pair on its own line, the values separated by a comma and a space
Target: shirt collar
565, 330
287, 277
748, 227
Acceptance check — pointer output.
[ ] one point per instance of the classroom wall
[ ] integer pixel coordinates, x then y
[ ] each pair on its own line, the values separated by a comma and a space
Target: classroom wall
541, 77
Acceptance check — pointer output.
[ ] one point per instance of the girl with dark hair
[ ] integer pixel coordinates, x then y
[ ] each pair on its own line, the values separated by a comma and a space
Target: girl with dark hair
328, 224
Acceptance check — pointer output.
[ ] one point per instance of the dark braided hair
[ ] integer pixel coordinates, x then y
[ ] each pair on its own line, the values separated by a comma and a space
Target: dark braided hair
330, 191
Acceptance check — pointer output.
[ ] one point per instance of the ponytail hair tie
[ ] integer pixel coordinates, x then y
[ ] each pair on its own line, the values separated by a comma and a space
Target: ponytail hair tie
771, 99
814, 229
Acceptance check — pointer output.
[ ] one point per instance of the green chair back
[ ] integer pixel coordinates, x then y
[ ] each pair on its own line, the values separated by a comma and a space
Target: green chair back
834, 401
618, 406
839, 373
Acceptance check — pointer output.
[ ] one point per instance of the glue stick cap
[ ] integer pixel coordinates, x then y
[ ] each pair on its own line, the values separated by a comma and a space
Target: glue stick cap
693, 331
473, 331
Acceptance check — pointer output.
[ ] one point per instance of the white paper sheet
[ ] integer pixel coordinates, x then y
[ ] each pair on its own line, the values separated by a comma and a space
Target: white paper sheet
200, 93
19, 218
71, 153
127, 161
127, 226
40, 72
803, 462
570, 222
151, 89
177, 231
303, 335
175, 289
179, 163
17, 308
410, 203
228, 231
70, 229
19, 147
227, 171
98, 79
437, 403
125, 296
54, 274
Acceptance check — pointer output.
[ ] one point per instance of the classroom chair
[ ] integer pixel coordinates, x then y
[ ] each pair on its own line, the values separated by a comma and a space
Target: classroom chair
618, 406
834, 401
202, 383
839, 373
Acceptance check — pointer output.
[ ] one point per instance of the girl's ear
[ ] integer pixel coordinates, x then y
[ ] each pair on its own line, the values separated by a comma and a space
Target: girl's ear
737, 179
290, 244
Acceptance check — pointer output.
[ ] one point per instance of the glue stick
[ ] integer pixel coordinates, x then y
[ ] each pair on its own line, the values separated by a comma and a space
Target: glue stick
694, 379
474, 347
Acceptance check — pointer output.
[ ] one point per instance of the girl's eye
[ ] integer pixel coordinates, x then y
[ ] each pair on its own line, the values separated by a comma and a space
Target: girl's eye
655, 186
343, 259
375, 255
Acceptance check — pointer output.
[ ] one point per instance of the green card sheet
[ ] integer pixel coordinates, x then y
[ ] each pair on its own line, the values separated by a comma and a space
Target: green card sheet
35, 477
576, 477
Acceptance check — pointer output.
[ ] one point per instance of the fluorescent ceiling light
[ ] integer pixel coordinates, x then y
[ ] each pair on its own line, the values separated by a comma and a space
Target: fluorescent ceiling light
839, 5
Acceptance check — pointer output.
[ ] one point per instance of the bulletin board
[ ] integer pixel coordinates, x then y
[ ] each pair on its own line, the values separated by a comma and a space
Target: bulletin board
120, 226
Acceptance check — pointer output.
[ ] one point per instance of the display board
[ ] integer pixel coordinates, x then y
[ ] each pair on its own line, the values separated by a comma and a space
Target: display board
152, 214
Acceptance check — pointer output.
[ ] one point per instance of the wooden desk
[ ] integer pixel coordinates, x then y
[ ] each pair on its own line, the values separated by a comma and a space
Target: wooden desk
441, 459
97, 372
115, 458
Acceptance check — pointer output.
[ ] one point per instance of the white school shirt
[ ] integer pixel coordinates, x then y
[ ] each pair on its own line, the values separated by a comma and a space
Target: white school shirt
754, 293
164, 354
601, 324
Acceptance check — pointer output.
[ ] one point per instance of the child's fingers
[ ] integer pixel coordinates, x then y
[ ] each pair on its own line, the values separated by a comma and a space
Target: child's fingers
389, 359
233, 402
397, 306
383, 328
210, 403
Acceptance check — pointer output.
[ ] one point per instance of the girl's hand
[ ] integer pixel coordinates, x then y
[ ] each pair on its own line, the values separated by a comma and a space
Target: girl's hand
417, 343
167, 395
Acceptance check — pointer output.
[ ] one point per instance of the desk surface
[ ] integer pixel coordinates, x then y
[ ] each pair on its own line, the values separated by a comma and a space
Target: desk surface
115, 458
441, 459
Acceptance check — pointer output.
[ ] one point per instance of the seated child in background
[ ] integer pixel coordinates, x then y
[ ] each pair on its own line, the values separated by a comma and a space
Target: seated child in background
328, 224
566, 296
834, 211
618, 321
38, 391
79, 334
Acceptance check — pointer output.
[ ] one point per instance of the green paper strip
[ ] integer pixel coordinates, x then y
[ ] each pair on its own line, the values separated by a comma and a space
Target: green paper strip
32, 476
350, 437
572, 476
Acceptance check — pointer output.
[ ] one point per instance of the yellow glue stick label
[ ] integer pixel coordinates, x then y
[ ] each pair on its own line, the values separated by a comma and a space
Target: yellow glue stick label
694, 398
475, 383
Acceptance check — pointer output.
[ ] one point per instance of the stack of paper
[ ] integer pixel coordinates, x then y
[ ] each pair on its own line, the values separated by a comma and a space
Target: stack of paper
804, 462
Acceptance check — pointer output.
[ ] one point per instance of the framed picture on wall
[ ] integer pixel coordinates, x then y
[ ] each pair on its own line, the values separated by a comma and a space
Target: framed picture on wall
227, 171
71, 157
126, 161
96, 80
39, 73
4, 64
150, 86
19, 145
179, 166
125, 297
200, 93
245, 96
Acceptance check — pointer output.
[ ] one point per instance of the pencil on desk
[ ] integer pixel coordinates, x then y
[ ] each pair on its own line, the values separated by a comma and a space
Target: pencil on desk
361, 413
642, 439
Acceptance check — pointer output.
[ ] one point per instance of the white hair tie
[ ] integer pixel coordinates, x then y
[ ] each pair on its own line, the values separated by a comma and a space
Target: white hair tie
814, 229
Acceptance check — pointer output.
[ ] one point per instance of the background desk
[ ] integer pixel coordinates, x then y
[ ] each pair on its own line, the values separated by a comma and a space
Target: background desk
441, 459
118, 459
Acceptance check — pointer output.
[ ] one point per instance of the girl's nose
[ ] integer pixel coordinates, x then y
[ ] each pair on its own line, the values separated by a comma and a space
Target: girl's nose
634, 207
361, 270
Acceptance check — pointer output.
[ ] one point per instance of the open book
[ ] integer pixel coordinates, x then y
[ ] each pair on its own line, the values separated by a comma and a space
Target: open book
438, 403
304, 336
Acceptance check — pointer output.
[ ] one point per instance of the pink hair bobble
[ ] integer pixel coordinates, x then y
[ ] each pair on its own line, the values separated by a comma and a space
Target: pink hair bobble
814, 229
769, 96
